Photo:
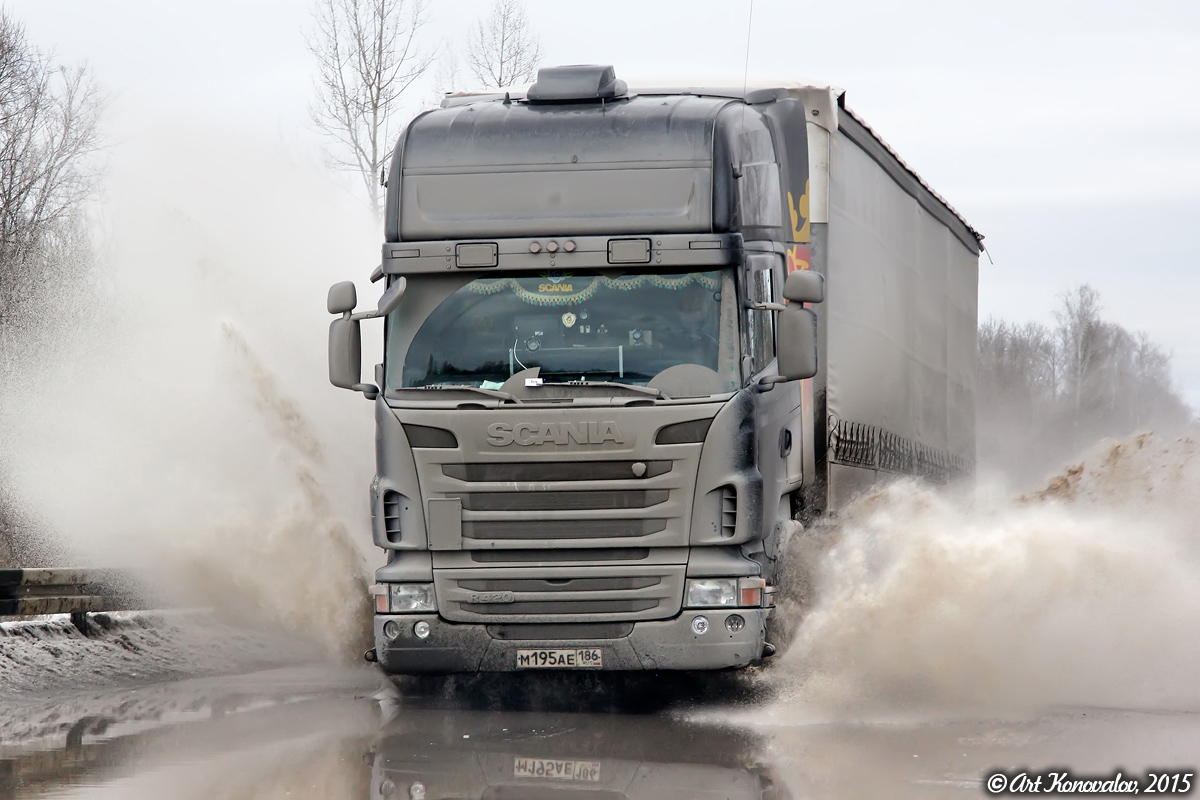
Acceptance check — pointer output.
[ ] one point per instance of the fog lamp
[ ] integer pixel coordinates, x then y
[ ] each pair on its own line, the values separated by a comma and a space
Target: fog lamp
700, 625
417, 791
421, 630
734, 623
391, 629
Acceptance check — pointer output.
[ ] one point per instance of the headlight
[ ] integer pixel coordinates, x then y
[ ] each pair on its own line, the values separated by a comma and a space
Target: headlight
404, 598
711, 592
719, 592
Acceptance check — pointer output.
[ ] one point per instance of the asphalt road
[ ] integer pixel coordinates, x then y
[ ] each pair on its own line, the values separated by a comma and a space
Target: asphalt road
321, 732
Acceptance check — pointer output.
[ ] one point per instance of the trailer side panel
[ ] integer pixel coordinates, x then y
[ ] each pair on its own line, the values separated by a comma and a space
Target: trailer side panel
901, 322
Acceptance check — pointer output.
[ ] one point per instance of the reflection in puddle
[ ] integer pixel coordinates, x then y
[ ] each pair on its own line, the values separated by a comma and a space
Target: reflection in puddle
431, 755
277, 736
293, 745
31, 774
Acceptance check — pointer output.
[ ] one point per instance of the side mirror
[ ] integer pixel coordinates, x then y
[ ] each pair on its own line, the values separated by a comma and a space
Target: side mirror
345, 353
345, 341
342, 298
804, 286
797, 328
797, 356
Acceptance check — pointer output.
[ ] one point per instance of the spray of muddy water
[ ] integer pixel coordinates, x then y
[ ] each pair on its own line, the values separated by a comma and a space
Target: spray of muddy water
188, 426
1087, 593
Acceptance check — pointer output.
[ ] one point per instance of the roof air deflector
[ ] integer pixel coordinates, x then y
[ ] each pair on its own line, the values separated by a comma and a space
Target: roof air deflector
576, 83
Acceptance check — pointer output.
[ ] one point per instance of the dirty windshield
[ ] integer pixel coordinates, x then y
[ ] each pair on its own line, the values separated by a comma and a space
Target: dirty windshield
592, 327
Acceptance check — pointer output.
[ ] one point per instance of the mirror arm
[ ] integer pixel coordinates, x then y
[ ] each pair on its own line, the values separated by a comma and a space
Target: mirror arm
369, 390
766, 306
767, 383
377, 274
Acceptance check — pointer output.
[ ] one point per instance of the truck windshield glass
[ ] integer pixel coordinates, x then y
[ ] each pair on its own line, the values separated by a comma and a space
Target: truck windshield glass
577, 327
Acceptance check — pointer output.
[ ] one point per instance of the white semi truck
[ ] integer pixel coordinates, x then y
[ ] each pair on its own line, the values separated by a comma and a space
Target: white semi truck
635, 339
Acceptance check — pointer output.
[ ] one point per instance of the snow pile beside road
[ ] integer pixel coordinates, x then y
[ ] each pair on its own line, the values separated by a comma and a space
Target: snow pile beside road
48, 720
132, 648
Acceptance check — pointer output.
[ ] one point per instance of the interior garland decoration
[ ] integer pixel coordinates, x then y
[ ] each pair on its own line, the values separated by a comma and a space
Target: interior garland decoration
486, 286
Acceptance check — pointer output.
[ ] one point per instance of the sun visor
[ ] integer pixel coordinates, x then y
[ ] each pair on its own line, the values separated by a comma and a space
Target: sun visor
513, 169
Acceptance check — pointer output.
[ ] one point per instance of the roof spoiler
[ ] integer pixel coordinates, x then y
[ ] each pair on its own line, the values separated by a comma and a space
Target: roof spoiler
576, 83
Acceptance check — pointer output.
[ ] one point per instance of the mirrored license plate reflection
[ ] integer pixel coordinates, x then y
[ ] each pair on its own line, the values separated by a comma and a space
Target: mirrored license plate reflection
556, 770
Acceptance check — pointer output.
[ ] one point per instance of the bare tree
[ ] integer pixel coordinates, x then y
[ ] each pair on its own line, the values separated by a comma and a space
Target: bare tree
48, 130
1045, 393
1018, 364
367, 56
447, 79
503, 50
48, 136
1082, 336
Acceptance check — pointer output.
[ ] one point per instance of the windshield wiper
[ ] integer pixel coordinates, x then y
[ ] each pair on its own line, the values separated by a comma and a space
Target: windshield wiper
466, 387
632, 387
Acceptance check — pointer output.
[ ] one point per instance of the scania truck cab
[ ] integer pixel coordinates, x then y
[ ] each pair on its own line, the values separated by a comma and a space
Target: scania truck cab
597, 424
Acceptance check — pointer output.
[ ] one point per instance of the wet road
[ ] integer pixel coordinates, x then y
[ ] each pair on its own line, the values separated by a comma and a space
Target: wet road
316, 732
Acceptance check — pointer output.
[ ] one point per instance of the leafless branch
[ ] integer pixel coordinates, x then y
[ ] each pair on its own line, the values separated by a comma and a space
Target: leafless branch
447, 78
502, 49
1045, 393
368, 55
48, 130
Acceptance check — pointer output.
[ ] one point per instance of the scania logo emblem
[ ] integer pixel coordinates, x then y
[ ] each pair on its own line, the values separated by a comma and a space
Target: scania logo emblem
501, 434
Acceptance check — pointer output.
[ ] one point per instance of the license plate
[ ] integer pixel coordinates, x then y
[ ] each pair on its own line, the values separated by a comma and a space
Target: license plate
556, 770
559, 659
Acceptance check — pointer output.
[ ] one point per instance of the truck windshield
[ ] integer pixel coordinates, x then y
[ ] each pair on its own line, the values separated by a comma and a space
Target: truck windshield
577, 327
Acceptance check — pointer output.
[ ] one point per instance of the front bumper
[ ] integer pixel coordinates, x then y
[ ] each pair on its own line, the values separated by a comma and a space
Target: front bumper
657, 645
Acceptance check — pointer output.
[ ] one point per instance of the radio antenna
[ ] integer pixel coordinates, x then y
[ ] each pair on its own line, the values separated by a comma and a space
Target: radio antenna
746, 67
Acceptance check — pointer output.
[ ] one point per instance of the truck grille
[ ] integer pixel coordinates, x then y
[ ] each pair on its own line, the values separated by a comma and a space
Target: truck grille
561, 584
603, 499
572, 501
571, 607
591, 594
560, 555
542, 471
562, 528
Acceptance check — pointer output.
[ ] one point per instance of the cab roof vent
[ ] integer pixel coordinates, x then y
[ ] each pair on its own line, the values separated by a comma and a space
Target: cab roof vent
575, 84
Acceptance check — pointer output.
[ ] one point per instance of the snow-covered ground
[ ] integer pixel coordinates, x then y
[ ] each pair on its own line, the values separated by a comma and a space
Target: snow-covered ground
135, 648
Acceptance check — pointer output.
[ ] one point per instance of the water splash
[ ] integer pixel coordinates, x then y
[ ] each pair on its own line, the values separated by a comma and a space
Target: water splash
1086, 593
186, 425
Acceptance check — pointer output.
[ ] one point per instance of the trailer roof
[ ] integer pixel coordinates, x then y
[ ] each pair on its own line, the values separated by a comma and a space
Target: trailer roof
913, 174
829, 103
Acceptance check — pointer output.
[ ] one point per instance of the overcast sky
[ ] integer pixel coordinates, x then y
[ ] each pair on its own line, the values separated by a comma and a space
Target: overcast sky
1065, 131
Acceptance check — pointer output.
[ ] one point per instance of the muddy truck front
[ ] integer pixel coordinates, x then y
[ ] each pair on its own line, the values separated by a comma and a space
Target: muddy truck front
592, 429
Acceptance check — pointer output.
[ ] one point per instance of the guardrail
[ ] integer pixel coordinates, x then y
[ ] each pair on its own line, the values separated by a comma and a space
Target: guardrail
71, 591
